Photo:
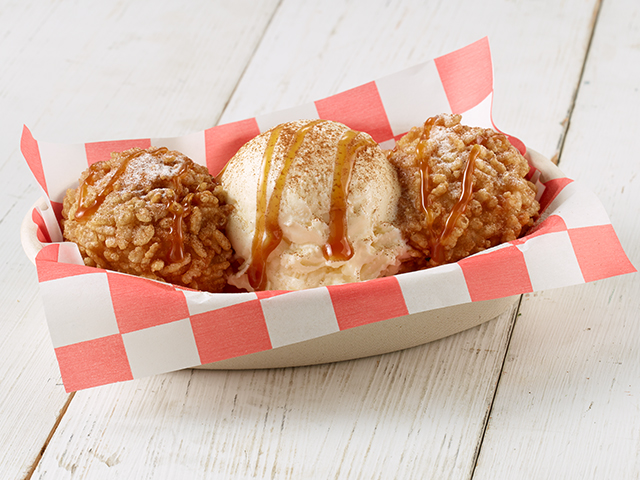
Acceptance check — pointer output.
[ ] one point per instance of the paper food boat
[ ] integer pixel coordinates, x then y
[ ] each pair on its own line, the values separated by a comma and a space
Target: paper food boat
108, 327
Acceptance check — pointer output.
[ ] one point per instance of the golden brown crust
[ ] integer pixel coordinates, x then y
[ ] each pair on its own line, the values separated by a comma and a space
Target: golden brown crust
153, 213
431, 162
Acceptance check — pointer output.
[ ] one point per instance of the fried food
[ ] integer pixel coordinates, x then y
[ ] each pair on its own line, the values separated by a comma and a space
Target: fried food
314, 205
463, 190
153, 213
305, 204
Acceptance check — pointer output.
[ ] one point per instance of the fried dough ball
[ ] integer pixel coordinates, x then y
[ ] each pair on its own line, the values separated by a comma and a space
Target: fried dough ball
152, 213
463, 191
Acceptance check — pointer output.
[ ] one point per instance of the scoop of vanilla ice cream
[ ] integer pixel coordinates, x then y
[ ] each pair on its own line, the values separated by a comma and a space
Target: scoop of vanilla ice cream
301, 192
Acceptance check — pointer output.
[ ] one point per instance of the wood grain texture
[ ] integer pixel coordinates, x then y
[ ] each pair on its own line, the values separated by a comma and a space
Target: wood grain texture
537, 47
568, 400
123, 69
404, 415
392, 416
78, 72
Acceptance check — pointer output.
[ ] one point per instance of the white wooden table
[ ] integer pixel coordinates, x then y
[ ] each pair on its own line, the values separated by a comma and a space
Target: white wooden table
551, 389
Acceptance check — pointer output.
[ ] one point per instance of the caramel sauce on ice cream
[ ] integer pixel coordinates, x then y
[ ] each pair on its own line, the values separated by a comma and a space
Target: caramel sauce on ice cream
321, 212
268, 233
338, 247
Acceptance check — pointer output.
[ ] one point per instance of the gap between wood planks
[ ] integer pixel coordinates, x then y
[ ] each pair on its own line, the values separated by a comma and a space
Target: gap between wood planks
63, 410
567, 120
485, 421
556, 160
244, 70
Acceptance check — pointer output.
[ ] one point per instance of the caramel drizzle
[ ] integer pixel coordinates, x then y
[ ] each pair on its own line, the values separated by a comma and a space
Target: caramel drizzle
178, 213
268, 233
460, 206
338, 247
85, 210
423, 164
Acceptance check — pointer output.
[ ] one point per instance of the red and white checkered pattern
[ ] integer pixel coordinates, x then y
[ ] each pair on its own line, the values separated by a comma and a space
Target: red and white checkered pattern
108, 327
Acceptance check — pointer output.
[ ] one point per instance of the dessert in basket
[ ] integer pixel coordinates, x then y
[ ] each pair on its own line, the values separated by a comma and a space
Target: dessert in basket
306, 204
345, 235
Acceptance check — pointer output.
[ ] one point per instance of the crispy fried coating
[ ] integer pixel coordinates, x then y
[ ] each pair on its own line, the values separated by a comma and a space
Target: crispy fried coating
152, 213
463, 191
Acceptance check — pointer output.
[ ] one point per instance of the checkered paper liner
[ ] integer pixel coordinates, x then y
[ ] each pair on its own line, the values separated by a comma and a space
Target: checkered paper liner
108, 327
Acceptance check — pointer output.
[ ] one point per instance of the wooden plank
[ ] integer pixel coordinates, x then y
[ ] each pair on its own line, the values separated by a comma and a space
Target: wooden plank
537, 55
75, 73
31, 393
398, 415
567, 403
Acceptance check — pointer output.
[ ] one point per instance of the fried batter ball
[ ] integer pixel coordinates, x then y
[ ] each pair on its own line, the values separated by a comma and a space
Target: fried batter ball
153, 213
463, 191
